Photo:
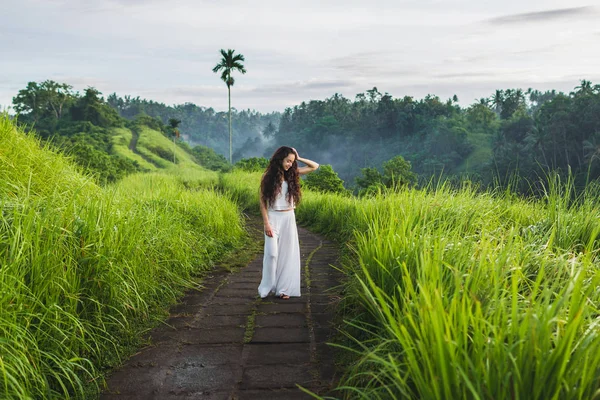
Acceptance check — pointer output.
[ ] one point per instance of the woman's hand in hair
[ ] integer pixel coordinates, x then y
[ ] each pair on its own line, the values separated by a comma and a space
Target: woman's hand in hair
296, 153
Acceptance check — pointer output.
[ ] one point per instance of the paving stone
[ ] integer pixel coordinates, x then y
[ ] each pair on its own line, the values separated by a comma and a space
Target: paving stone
323, 334
241, 285
197, 378
281, 320
281, 394
322, 320
243, 280
148, 381
199, 336
251, 274
177, 323
321, 298
207, 355
229, 309
275, 376
185, 309
290, 353
249, 293
218, 321
221, 300
321, 308
280, 335
169, 356
195, 300
200, 395
281, 307
327, 372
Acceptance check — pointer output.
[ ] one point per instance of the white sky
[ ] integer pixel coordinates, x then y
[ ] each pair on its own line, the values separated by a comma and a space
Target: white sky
298, 50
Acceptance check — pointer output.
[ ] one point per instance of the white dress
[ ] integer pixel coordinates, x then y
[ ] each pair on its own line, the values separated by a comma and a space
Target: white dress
281, 262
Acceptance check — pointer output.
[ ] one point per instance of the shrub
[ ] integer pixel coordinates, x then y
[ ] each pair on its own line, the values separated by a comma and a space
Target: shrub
325, 180
253, 164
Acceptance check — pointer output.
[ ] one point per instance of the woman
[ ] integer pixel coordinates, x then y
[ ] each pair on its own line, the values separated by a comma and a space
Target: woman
279, 195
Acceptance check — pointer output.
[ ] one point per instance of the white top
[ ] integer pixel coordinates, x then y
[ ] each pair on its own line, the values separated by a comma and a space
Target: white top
281, 202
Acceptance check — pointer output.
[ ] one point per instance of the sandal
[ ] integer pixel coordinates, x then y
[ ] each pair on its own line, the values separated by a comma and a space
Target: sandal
284, 296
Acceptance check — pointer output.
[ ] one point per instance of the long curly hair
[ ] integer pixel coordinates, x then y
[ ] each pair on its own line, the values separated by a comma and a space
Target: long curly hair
270, 184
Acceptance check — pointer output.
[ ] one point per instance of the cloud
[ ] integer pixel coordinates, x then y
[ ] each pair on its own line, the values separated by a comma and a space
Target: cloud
190, 91
82, 82
542, 16
372, 64
296, 87
464, 75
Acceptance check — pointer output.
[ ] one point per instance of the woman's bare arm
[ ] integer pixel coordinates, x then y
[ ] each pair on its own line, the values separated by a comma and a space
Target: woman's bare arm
265, 217
310, 165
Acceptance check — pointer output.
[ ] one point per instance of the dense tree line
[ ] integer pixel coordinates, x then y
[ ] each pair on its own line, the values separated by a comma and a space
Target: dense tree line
513, 131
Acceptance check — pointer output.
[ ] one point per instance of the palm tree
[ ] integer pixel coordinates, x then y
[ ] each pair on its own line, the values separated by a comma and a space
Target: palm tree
584, 88
174, 123
497, 100
229, 62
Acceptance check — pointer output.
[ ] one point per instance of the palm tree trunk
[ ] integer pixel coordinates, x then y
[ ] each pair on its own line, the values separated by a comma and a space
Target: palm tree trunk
229, 93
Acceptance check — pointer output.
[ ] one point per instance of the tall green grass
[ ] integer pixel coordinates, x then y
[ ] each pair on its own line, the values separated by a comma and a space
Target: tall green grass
453, 293
83, 270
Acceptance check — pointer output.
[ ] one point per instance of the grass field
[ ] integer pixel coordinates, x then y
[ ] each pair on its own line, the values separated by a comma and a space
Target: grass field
454, 293
450, 292
84, 269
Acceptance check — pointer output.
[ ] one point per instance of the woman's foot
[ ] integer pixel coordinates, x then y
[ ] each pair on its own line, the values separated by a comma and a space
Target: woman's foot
284, 296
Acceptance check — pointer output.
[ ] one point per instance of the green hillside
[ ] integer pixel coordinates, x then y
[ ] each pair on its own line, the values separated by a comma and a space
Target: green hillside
152, 150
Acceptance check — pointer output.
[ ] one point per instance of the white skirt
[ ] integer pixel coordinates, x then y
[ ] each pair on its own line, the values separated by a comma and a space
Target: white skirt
281, 262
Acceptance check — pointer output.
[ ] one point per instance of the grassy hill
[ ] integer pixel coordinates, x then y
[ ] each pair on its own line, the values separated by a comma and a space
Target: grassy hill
150, 149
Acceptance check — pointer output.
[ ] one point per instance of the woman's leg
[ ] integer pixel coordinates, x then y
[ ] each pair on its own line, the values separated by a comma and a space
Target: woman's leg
288, 262
271, 252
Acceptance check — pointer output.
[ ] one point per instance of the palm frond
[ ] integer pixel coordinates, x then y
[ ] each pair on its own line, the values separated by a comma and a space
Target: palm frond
225, 75
218, 67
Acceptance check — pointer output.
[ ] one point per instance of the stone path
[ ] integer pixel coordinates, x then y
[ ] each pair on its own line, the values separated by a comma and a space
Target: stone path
227, 343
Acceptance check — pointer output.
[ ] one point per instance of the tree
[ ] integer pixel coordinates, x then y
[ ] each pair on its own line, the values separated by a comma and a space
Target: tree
480, 117
174, 123
253, 164
229, 63
326, 180
584, 88
371, 181
210, 159
497, 99
46, 99
397, 173
92, 107
269, 130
